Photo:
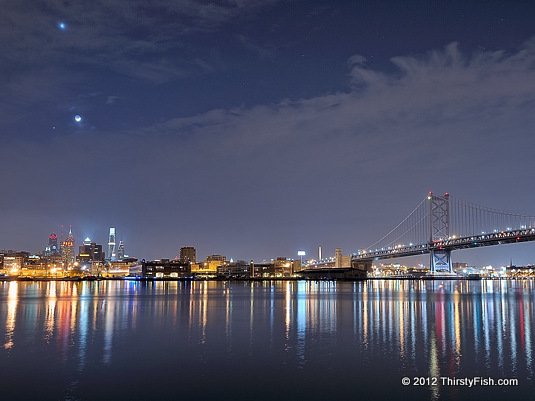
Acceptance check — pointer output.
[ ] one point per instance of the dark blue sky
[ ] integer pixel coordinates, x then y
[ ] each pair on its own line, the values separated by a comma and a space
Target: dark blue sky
256, 128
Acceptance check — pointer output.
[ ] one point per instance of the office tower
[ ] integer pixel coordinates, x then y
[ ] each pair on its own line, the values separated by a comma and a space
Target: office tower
53, 244
187, 253
120, 250
87, 241
112, 254
90, 252
67, 249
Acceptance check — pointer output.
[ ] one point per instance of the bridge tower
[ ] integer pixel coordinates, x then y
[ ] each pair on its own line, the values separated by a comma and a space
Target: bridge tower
439, 220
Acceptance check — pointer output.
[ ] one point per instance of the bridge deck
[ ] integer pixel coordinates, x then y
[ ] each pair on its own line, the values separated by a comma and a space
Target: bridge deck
475, 241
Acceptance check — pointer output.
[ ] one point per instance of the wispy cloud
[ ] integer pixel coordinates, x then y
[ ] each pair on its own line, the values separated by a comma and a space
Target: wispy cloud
145, 41
443, 121
441, 88
440, 121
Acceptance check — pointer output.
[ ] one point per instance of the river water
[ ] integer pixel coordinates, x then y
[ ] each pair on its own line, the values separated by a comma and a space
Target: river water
271, 340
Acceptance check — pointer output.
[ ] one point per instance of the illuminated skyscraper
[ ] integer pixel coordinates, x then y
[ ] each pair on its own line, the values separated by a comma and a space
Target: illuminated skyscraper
67, 249
52, 247
53, 244
112, 253
90, 252
120, 250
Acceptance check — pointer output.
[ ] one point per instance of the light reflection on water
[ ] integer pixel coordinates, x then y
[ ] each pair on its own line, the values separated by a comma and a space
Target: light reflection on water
116, 339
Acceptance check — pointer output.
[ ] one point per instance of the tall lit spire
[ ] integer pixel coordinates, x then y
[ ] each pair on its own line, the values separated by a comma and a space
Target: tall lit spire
67, 249
112, 255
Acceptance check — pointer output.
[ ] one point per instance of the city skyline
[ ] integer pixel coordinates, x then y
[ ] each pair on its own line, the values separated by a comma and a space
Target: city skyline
316, 255
262, 128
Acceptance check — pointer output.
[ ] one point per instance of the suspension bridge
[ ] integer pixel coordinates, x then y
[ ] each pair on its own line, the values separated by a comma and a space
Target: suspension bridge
441, 224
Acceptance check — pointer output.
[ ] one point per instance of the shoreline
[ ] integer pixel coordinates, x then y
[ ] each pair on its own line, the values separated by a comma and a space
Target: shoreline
259, 279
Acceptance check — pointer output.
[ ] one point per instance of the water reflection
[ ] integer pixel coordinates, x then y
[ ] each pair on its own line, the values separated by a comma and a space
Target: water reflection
11, 314
330, 329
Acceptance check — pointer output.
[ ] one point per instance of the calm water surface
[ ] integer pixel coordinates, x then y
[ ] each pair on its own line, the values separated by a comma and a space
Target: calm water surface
128, 340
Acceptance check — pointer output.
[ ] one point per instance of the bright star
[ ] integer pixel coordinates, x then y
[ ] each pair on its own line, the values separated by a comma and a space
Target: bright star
77, 118
62, 26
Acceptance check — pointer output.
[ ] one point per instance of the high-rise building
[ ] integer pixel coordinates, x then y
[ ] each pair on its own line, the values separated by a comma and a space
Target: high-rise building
90, 252
120, 250
53, 244
112, 253
52, 247
67, 249
188, 253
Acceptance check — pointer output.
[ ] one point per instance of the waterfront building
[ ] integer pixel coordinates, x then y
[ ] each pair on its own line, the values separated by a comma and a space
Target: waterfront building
209, 267
54, 263
23, 264
341, 260
315, 264
459, 266
135, 269
165, 268
38, 266
283, 267
188, 254
239, 269
13, 263
389, 270
518, 271
119, 268
112, 255
277, 268
36, 262
338, 261
94, 269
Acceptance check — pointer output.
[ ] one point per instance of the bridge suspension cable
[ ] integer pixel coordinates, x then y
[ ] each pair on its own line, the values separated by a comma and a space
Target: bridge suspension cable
468, 218
458, 218
414, 228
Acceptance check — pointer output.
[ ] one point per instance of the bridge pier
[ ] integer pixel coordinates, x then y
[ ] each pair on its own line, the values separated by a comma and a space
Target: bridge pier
440, 261
362, 265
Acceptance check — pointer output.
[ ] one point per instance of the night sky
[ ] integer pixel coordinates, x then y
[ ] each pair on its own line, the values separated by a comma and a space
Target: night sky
255, 128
